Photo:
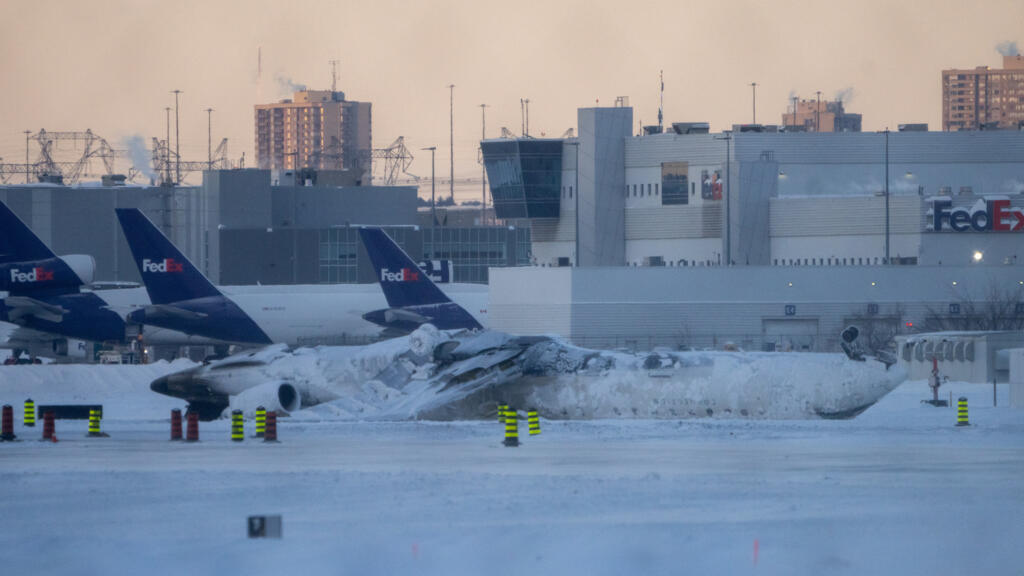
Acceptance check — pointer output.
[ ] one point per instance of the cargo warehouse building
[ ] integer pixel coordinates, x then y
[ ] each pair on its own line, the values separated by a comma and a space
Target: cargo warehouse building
761, 237
240, 228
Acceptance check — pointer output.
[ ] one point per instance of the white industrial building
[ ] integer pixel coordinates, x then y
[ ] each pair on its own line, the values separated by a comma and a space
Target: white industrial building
976, 356
762, 239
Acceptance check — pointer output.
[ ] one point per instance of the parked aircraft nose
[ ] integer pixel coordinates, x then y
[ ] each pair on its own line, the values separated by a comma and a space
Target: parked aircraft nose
179, 384
160, 385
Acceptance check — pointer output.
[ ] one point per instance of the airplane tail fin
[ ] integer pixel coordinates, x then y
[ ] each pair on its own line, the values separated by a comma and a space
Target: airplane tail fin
17, 242
403, 282
166, 272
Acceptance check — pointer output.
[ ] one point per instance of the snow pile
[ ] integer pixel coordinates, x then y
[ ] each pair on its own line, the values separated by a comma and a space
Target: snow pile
123, 390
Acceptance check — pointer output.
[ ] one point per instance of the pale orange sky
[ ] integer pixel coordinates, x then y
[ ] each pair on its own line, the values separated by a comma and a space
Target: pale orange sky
110, 65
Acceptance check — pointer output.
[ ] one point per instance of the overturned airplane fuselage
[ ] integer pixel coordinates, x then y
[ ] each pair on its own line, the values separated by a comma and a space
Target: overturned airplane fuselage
436, 375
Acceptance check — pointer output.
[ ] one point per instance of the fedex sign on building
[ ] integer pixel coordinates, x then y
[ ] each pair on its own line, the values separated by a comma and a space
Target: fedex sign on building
985, 215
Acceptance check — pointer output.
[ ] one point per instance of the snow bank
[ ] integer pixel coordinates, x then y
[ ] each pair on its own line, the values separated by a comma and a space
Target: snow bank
122, 389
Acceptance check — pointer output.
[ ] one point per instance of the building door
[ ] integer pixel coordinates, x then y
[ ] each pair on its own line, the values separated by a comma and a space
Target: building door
790, 334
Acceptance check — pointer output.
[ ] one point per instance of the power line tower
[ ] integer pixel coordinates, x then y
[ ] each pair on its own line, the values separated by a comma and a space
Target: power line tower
397, 158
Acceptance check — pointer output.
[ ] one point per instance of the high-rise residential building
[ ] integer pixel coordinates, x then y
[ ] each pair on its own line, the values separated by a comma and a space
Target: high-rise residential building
983, 98
825, 116
316, 129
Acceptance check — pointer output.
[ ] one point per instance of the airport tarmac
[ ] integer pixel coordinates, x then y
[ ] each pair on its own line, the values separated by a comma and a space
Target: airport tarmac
899, 489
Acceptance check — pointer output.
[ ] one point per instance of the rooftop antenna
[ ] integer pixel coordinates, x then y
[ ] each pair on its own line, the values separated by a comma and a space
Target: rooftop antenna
661, 101
527, 132
334, 76
259, 73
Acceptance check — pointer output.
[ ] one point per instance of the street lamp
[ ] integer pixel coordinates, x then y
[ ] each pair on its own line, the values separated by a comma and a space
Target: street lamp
577, 199
727, 136
433, 215
978, 256
886, 261
753, 86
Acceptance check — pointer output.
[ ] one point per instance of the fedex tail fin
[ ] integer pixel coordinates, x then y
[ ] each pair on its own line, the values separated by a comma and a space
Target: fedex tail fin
17, 242
166, 272
403, 282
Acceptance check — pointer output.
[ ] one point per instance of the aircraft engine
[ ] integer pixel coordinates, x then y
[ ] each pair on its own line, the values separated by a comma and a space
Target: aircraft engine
273, 396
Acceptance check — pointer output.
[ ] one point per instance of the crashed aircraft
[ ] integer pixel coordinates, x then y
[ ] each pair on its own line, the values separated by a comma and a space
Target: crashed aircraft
455, 375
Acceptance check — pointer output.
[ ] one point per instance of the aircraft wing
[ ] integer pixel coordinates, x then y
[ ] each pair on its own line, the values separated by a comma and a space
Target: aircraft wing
25, 307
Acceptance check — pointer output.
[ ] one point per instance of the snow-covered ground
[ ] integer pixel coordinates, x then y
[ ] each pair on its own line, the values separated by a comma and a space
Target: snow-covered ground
898, 490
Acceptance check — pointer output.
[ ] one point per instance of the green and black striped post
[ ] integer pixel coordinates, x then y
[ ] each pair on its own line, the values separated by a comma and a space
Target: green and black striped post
534, 419
961, 412
94, 424
261, 421
237, 426
30, 413
511, 428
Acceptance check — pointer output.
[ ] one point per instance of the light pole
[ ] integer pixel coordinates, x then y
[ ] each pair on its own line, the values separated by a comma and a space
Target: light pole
576, 216
483, 167
177, 141
753, 87
817, 114
167, 149
28, 180
209, 139
727, 136
451, 142
886, 261
433, 215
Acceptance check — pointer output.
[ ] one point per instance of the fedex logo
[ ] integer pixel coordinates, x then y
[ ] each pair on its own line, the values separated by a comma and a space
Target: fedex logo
403, 275
165, 265
985, 215
36, 275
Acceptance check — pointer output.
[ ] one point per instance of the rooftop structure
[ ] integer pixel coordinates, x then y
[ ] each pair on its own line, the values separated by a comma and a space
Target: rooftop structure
316, 129
984, 99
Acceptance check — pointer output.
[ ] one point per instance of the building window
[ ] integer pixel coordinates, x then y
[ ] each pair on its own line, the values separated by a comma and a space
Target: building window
655, 188
675, 183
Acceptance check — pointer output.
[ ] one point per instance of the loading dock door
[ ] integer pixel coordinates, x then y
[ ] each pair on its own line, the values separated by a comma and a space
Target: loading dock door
784, 334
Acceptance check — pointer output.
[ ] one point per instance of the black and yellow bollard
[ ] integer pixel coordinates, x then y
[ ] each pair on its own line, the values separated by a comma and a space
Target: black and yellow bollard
30, 413
511, 428
94, 424
261, 421
237, 426
961, 412
502, 409
534, 419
